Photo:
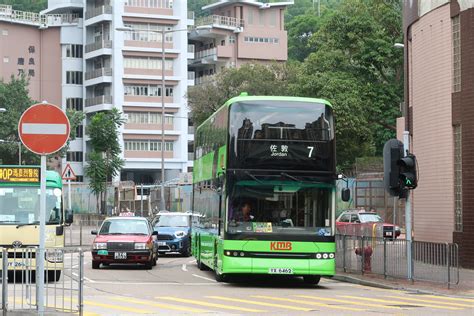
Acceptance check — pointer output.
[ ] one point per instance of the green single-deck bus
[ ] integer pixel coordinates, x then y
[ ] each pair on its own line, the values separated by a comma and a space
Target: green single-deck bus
264, 187
19, 218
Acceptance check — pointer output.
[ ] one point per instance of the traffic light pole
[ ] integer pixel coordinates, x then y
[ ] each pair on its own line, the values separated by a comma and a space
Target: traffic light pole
408, 223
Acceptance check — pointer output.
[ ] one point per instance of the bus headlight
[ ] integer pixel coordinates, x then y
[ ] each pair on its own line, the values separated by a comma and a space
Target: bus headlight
99, 245
140, 245
54, 256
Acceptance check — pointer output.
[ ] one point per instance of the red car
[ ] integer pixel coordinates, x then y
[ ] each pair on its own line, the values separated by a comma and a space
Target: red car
124, 240
360, 222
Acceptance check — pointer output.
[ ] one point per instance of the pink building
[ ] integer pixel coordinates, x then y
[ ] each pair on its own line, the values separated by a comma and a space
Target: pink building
237, 32
439, 115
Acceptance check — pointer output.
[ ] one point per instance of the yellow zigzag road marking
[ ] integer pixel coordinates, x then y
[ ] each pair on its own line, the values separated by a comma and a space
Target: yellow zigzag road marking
182, 300
430, 301
308, 303
166, 306
399, 302
259, 303
347, 302
451, 298
117, 307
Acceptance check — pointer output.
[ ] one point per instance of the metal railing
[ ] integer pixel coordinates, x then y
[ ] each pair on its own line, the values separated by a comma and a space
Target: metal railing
98, 45
205, 53
191, 49
220, 21
64, 280
191, 15
7, 13
96, 73
162, 4
435, 262
102, 99
92, 12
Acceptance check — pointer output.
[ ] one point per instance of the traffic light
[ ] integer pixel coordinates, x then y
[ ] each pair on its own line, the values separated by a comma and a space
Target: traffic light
392, 153
408, 177
399, 169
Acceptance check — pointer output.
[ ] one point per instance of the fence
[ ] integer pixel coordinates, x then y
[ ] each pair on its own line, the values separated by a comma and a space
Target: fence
64, 280
436, 262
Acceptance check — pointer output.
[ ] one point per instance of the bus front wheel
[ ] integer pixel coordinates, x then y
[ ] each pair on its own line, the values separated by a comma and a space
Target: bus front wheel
311, 279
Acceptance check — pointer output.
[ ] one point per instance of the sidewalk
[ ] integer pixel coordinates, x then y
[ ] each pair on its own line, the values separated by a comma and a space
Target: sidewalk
465, 287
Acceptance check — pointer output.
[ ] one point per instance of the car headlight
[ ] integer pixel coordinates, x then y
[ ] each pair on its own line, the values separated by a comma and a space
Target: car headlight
179, 234
99, 245
140, 245
54, 256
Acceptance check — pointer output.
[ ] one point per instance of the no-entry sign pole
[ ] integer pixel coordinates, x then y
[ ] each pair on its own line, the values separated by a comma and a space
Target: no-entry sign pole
43, 129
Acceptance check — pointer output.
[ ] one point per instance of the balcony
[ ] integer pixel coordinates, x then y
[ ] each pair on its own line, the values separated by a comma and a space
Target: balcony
98, 45
101, 72
191, 156
191, 75
211, 52
191, 49
93, 12
191, 15
102, 99
220, 21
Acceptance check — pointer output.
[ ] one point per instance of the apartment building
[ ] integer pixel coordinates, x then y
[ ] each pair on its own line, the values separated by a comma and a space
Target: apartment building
439, 114
109, 56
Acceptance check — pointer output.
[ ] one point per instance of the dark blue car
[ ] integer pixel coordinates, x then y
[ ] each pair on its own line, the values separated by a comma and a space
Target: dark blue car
174, 232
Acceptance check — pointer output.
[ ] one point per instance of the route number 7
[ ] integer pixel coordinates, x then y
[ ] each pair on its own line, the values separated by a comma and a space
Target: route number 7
311, 148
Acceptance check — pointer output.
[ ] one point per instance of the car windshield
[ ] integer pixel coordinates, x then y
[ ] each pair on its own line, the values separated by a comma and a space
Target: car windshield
370, 218
172, 221
124, 227
21, 205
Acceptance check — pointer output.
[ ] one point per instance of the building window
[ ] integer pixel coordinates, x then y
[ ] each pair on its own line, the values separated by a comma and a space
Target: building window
147, 32
148, 118
261, 17
74, 51
266, 40
250, 16
4, 32
21, 61
31, 72
147, 63
31, 61
146, 90
456, 33
164, 4
232, 39
74, 104
79, 131
458, 178
6, 59
147, 145
78, 179
74, 77
273, 18
74, 156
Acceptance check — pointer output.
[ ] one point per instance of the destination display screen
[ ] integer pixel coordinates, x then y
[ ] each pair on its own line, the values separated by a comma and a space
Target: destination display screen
19, 174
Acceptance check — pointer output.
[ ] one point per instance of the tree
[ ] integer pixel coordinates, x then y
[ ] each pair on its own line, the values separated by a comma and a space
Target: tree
355, 66
104, 160
27, 5
255, 79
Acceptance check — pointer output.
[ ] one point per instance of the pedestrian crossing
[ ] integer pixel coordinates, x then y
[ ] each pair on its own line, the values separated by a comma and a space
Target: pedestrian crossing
391, 302
386, 302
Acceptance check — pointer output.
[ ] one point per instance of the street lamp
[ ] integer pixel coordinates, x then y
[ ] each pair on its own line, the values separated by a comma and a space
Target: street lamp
2, 141
399, 45
163, 31
2, 110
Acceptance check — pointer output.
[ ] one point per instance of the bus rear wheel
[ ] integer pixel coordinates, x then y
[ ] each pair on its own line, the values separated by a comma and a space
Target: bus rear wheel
311, 279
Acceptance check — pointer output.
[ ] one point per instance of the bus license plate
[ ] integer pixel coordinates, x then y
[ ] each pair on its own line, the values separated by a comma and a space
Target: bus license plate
120, 255
280, 271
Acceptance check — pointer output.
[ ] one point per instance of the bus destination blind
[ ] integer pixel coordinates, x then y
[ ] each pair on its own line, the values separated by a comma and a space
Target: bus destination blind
19, 175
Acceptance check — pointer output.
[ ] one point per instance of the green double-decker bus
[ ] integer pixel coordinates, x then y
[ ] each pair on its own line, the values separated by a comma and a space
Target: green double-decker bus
264, 188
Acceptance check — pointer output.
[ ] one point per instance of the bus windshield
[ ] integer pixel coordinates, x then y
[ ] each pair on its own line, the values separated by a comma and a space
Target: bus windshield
280, 207
21, 205
281, 135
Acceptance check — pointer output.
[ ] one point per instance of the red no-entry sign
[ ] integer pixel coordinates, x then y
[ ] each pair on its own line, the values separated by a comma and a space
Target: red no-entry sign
44, 128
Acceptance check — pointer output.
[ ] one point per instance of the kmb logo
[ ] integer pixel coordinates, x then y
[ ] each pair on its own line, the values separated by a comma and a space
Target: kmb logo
280, 245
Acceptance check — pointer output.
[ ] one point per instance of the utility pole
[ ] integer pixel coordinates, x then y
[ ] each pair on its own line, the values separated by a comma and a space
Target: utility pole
408, 223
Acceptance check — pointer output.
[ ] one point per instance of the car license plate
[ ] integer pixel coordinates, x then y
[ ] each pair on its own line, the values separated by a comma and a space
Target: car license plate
162, 243
280, 271
389, 233
120, 255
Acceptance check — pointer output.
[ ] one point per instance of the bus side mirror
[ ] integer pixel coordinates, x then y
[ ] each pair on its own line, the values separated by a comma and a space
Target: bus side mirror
346, 194
69, 217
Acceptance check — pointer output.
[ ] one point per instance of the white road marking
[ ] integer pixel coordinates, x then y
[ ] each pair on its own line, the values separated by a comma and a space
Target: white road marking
192, 261
85, 278
201, 277
151, 283
183, 267
43, 129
